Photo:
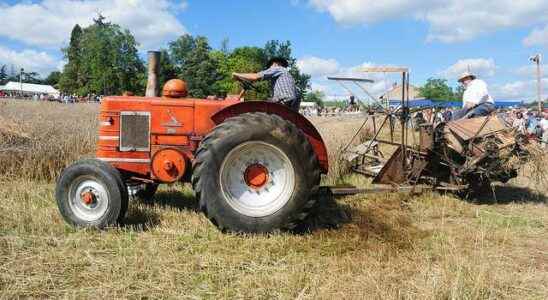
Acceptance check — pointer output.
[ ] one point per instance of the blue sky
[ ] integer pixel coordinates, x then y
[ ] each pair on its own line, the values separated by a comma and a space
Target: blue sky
493, 38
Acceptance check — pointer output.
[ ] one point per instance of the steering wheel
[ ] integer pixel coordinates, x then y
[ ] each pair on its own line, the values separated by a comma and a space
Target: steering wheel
247, 85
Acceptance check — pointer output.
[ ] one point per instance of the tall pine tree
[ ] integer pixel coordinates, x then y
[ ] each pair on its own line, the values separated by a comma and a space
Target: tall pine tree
102, 59
72, 78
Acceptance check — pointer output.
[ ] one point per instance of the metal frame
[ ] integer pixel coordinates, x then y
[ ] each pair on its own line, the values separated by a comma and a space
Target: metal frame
356, 81
403, 114
404, 169
134, 113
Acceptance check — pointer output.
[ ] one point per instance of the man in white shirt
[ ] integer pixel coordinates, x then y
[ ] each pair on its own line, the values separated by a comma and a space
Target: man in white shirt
519, 123
544, 127
476, 101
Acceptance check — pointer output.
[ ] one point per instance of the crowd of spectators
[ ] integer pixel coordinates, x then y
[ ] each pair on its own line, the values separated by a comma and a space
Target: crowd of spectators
62, 98
329, 111
530, 123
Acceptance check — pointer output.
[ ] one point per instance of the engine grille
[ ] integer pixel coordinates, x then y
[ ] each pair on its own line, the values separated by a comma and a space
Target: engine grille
134, 131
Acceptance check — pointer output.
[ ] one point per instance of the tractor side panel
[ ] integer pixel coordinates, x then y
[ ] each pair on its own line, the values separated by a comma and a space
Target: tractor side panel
178, 124
301, 122
108, 144
204, 110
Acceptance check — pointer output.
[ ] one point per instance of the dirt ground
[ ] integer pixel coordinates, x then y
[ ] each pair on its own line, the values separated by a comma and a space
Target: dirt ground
383, 246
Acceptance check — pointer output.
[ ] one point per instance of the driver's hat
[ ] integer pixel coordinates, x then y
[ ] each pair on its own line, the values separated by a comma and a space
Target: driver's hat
280, 60
466, 75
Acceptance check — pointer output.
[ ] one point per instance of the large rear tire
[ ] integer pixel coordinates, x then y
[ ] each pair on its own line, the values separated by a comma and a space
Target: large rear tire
256, 173
91, 193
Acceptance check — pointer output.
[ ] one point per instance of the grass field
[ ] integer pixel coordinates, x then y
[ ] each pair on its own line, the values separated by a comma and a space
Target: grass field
384, 246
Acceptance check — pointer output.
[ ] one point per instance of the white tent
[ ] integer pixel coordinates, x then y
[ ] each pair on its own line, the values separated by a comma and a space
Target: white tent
308, 104
30, 88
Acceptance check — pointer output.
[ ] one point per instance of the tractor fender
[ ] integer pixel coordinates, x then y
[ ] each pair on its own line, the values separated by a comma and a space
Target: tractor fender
284, 112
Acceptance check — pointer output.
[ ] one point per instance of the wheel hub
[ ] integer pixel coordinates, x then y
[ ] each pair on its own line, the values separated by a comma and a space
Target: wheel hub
256, 176
88, 198
257, 179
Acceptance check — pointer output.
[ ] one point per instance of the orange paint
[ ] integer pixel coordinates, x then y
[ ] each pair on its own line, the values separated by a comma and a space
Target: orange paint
177, 126
87, 198
168, 165
256, 176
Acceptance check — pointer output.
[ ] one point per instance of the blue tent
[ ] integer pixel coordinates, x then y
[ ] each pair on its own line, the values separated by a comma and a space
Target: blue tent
412, 103
508, 103
444, 103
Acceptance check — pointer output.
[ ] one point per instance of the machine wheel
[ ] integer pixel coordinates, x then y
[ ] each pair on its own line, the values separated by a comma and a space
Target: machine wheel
256, 173
478, 188
91, 193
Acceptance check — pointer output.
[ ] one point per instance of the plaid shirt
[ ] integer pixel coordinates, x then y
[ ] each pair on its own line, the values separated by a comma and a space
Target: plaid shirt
282, 82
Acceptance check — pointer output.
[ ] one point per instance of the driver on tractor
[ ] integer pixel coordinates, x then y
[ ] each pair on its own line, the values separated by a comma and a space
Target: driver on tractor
476, 101
283, 84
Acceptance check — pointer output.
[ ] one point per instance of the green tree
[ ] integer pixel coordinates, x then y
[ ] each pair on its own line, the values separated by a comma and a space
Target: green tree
53, 78
225, 48
195, 65
101, 59
3, 74
180, 49
459, 91
241, 60
32, 77
109, 63
316, 97
71, 79
276, 48
167, 68
437, 89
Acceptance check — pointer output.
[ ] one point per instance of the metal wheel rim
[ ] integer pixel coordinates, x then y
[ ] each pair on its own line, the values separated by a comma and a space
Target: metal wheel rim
257, 202
93, 211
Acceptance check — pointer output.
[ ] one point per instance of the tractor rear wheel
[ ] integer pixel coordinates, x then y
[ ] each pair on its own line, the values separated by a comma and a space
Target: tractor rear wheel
256, 173
91, 193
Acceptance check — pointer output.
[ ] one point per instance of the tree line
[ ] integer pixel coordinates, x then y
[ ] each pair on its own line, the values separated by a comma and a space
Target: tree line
11, 74
438, 89
103, 59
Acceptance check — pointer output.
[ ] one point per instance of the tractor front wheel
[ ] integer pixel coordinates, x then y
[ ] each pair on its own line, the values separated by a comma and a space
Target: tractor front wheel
256, 173
91, 193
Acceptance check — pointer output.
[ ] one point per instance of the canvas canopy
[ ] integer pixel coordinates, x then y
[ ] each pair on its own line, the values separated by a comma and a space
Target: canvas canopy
308, 104
29, 88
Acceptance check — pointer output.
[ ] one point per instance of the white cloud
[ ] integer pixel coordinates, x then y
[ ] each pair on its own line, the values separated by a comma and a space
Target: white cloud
537, 37
479, 66
316, 86
519, 90
530, 70
316, 66
48, 23
30, 60
366, 12
320, 67
450, 21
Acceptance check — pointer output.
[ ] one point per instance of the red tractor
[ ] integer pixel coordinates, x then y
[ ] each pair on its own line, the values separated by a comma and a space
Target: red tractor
255, 166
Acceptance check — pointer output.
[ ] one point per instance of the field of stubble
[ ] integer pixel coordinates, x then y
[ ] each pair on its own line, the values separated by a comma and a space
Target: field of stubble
385, 246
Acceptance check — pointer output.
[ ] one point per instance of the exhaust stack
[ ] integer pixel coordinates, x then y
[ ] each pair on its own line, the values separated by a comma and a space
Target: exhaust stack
153, 89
